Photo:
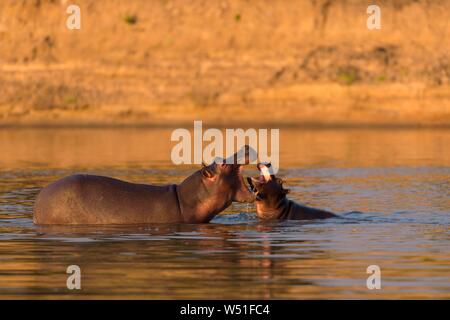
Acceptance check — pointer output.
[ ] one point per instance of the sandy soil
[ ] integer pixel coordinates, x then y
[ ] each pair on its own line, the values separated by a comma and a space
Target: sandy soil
278, 62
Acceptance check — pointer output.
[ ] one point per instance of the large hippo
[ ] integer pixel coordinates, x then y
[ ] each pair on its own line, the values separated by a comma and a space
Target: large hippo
272, 203
88, 199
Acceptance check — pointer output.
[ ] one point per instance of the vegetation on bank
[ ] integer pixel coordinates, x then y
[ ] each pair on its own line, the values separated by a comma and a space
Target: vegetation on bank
136, 60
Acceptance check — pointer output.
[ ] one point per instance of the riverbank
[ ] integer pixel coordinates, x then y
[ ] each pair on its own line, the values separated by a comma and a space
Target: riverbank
253, 65
51, 103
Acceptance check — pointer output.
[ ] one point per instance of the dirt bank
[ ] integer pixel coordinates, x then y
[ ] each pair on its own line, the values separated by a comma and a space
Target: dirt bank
283, 62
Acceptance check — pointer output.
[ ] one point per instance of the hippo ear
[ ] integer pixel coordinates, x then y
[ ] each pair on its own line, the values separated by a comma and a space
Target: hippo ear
208, 171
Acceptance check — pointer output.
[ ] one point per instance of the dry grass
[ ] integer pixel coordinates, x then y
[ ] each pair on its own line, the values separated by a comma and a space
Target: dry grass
159, 61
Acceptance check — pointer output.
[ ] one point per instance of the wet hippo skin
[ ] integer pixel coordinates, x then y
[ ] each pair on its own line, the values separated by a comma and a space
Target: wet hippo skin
272, 203
88, 199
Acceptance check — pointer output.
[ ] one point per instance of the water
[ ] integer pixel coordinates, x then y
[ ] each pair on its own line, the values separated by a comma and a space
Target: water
391, 188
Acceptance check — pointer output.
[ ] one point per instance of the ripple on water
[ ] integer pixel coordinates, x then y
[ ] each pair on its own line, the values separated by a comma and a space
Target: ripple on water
395, 217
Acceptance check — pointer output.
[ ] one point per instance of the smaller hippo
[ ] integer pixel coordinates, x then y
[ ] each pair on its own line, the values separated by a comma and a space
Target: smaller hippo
272, 203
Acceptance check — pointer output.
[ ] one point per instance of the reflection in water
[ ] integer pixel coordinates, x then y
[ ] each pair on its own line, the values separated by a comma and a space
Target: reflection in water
391, 188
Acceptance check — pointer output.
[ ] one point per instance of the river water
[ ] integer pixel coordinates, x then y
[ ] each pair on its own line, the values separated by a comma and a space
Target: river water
390, 187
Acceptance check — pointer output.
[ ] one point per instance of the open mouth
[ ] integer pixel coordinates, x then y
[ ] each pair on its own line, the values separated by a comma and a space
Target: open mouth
253, 189
264, 171
251, 185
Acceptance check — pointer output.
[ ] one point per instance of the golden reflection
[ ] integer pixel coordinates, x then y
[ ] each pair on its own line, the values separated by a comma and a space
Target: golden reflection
243, 259
95, 147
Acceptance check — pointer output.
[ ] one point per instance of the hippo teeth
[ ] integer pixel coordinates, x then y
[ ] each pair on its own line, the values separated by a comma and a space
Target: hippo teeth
265, 173
250, 184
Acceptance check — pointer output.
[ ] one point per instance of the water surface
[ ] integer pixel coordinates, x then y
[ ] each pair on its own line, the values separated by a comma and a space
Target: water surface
391, 188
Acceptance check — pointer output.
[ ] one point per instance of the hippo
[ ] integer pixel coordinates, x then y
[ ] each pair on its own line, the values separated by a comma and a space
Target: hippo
84, 199
272, 203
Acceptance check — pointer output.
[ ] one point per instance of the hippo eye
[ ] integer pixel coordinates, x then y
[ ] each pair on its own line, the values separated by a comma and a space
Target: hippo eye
260, 196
